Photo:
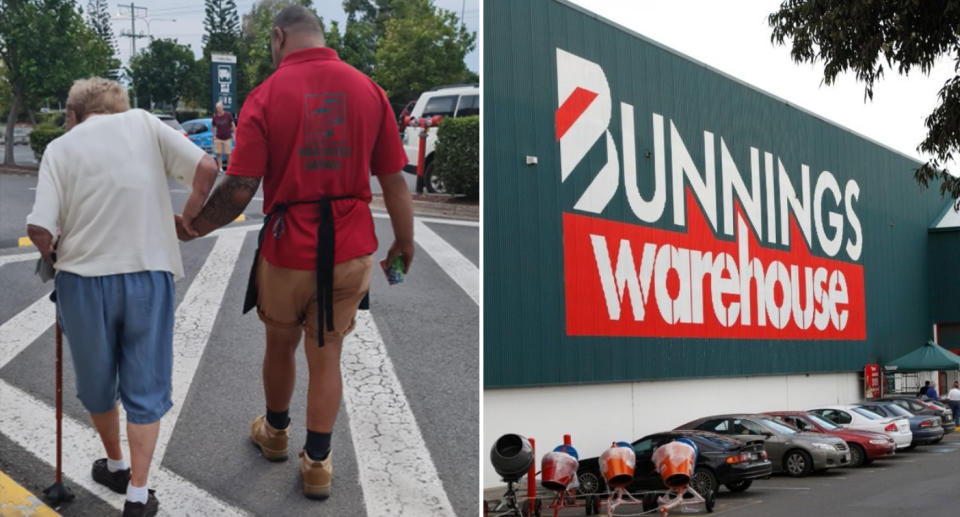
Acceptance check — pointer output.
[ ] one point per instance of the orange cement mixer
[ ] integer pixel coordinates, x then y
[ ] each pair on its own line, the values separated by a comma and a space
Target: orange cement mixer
617, 464
675, 462
558, 469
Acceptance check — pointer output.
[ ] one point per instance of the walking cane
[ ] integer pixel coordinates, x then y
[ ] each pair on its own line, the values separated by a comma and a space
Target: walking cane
59, 493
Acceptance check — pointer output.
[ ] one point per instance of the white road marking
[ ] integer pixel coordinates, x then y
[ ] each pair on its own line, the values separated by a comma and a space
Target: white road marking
765, 487
461, 270
18, 257
20, 331
194, 321
440, 220
31, 423
397, 473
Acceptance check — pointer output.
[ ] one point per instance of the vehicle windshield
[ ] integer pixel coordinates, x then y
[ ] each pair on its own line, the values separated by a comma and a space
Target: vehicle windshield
777, 427
867, 413
897, 410
823, 422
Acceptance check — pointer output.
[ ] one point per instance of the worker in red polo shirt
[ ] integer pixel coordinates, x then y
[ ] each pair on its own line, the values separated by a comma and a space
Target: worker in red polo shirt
314, 131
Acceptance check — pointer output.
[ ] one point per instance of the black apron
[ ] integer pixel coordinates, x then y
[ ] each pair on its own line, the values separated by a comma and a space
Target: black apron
326, 239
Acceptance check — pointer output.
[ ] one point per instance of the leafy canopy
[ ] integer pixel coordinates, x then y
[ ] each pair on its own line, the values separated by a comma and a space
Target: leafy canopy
163, 72
872, 36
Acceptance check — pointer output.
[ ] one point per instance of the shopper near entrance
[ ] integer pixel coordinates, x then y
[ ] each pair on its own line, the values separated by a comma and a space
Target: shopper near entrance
953, 397
932, 392
924, 389
314, 131
109, 229
223, 129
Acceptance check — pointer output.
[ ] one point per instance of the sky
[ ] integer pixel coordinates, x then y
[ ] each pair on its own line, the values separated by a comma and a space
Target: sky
183, 20
734, 37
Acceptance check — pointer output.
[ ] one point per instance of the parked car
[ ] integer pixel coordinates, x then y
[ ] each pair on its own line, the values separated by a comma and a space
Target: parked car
447, 101
852, 416
790, 450
21, 135
722, 460
200, 132
170, 121
865, 446
926, 429
924, 407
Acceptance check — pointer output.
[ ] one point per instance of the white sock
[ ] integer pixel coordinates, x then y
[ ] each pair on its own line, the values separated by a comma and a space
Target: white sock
137, 494
115, 465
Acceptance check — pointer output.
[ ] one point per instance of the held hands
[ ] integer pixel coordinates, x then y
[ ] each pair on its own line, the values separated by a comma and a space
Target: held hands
190, 212
182, 233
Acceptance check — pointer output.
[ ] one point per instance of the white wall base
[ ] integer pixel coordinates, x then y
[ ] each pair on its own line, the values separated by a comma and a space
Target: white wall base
598, 414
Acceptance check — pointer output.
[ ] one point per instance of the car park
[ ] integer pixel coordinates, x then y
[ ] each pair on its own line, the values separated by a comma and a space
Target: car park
865, 446
200, 132
924, 407
851, 416
790, 451
926, 429
171, 121
722, 460
445, 101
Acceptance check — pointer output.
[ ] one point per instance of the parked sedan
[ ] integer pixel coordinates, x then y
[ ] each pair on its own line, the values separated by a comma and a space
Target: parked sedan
924, 407
852, 416
722, 461
865, 446
791, 451
926, 429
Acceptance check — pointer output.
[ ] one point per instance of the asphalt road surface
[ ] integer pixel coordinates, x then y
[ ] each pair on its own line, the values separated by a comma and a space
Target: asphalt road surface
407, 435
924, 481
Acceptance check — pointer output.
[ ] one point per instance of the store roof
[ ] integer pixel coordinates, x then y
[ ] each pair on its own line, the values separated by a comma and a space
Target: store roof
930, 356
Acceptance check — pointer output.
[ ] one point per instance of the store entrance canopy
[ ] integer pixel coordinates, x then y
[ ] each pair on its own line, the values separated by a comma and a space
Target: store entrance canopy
930, 356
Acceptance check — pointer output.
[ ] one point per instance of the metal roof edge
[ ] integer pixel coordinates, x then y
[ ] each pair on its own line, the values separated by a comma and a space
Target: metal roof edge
568, 3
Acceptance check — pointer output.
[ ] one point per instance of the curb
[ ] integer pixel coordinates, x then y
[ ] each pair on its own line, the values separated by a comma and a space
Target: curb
437, 208
16, 500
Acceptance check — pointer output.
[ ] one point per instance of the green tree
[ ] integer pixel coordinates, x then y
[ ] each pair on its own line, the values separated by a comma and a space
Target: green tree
163, 72
45, 45
221, 25
422, 47
868, 38
98, 18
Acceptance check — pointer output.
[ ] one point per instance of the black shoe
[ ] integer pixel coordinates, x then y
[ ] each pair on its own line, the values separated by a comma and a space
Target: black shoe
131, 509
116, 481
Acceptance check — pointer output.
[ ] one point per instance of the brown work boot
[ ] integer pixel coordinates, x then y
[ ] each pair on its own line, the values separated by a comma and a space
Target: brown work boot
271, 441
316, 475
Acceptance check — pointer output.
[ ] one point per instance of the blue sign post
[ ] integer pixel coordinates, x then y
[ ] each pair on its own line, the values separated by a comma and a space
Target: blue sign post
223, 81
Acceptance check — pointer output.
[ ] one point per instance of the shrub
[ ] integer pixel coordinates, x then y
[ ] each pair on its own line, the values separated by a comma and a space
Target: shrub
458, 156
185, 115
53, 118
41, 136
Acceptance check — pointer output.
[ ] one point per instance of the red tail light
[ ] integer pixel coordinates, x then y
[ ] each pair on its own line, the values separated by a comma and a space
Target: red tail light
891, 427
928, 423
743, 457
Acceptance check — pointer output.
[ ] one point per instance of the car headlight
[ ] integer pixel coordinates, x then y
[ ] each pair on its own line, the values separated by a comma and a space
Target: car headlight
821, 445
879, 442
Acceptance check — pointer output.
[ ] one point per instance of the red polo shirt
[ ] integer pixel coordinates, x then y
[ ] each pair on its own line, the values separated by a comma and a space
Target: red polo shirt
317, 128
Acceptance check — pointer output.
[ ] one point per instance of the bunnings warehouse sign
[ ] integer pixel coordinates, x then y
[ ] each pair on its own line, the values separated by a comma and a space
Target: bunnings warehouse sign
733, 265
647, 217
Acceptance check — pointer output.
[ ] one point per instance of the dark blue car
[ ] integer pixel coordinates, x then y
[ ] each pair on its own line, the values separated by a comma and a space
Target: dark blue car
926, 429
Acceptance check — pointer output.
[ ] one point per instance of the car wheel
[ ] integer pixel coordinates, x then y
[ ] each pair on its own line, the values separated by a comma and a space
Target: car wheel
797, 463
433, 184
858, 456
704, 482
590, 482
739, 486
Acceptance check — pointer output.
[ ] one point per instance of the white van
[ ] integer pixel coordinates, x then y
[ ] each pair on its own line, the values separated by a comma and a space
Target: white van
447, 101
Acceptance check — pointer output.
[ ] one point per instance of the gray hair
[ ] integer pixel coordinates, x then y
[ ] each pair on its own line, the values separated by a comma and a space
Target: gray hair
299, 19
97, 95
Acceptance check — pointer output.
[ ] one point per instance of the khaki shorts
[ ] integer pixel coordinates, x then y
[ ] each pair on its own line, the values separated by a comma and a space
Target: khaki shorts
222, 146
287, 298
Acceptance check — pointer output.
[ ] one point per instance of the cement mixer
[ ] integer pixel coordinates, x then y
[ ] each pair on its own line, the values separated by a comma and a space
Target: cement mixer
676, 462
558, 469
616, 467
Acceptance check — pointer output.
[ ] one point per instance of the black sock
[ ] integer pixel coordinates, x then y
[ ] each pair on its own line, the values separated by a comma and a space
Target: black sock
318, 445
278, 419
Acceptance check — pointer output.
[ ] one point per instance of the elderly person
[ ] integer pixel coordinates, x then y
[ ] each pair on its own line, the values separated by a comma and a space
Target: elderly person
103, 217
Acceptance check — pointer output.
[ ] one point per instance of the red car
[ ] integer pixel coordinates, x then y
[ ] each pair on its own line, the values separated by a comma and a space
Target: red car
865, 446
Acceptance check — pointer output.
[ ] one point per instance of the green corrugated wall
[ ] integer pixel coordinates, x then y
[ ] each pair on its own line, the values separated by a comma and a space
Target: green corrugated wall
525, 341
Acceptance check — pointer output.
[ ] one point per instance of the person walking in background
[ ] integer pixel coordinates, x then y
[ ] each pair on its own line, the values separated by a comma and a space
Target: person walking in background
932, 392
923, 389
223, 129
117, 255
315, 130
953, 397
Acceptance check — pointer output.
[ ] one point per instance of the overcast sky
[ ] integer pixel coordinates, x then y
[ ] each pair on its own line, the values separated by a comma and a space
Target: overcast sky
188, 27
734, 37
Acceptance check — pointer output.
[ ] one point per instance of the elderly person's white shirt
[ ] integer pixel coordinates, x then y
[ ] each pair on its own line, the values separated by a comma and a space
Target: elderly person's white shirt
103, 186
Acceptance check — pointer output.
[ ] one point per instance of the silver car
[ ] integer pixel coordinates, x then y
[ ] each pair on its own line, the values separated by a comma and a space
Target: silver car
791, 451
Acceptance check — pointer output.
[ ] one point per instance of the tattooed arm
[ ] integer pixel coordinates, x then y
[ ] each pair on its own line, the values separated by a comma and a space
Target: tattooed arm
228, 200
